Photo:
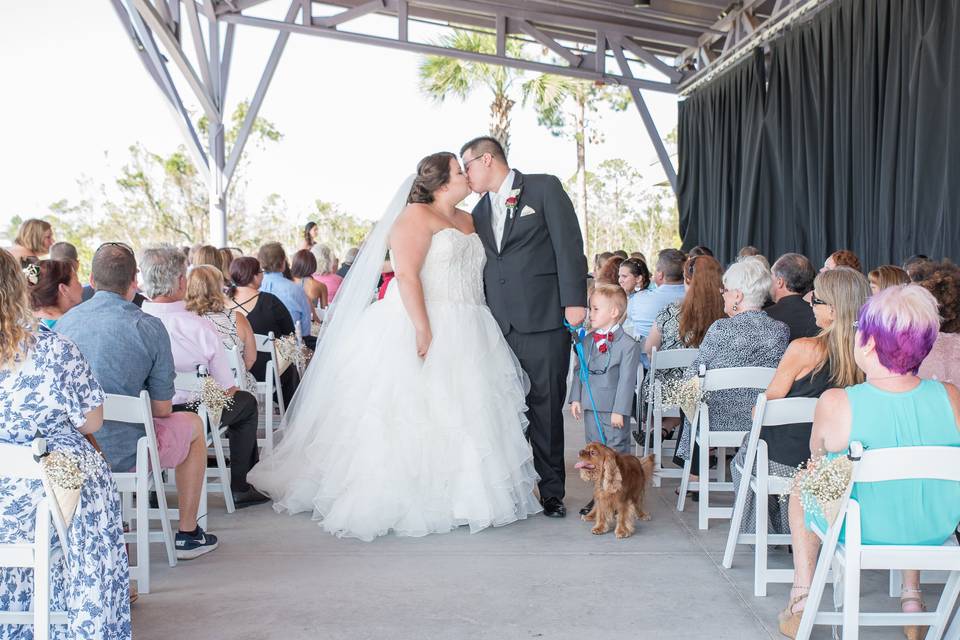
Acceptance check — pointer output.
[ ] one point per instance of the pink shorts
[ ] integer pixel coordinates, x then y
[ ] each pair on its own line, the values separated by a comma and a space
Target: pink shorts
174, 435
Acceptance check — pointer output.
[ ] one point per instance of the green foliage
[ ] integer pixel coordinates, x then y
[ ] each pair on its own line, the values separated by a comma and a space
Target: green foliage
625, 214
568, 107
442, 76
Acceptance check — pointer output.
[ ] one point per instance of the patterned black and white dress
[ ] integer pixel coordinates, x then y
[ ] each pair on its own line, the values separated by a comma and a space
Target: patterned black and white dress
748, 339
668, 322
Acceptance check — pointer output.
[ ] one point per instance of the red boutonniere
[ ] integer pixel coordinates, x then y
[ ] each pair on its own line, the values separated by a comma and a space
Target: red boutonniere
511, 202
603, 347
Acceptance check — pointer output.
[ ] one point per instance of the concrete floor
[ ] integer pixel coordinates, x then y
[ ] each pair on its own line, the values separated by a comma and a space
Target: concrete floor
276, 576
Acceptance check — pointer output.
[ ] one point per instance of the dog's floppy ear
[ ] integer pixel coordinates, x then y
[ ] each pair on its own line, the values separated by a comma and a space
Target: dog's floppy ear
612, 479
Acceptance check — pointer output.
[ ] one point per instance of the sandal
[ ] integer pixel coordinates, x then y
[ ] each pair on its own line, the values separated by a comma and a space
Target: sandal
789, 619
913, 631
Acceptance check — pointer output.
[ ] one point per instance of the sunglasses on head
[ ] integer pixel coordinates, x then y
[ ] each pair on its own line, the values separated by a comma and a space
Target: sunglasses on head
814, 300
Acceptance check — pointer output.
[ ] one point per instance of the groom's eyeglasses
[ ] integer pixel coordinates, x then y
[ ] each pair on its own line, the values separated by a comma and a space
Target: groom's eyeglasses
466, 164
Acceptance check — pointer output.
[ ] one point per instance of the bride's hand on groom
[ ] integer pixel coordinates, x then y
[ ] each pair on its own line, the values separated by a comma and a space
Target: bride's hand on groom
424, 338
575, 315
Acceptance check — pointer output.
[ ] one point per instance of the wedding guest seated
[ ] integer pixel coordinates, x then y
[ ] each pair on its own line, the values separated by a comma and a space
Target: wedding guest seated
683, 324
54, 290
66, 252
634, 278
810, 366
34, 239
347, 261
195, 341
700, 250
748, 251
302, 268
205, 298
610, 271
792, 279
893, 408
129, 352
915, 266
46, 386
265, 313
842, 258
226, 258
887, 276
669, 279
207, 254
638, 255
90, 289
748, 337
326, 273
273, 260
943, 362
598, 261
620, 253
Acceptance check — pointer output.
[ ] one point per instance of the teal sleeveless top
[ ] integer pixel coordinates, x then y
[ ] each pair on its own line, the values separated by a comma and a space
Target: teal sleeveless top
909, 512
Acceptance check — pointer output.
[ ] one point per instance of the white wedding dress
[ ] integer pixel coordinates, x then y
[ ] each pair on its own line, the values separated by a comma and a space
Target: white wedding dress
393, 442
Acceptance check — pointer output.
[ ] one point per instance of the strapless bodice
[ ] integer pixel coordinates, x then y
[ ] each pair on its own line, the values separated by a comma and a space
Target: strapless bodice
453, 268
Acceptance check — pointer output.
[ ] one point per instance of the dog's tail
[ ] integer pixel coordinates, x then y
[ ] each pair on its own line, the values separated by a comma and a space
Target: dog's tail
646, 463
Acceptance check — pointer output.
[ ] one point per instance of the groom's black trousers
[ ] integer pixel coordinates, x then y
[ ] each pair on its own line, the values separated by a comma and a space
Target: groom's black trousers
545, 357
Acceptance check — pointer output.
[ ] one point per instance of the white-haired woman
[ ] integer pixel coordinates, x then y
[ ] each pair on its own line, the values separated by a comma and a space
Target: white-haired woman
747, 338
326, 269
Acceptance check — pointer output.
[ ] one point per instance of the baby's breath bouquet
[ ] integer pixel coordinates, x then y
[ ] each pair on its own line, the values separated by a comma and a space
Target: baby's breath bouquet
289, 351
66, 473
214, 399
821, 483
685, 394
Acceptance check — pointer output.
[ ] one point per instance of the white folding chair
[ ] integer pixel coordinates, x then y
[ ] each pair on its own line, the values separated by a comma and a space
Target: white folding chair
769, 414
17, 462
298, 332
137, 485
880, 465
711, 381
236, 365
190, 382
659, 361
271, 382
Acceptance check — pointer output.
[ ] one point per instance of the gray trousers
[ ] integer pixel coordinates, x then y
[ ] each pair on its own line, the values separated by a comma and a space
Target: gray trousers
617, 439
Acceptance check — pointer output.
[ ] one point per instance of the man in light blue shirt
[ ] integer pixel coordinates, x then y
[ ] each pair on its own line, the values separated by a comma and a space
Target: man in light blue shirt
273, 259
670, 289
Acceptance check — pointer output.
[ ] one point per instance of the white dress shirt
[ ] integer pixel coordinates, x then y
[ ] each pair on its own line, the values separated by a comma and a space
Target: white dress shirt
498, 207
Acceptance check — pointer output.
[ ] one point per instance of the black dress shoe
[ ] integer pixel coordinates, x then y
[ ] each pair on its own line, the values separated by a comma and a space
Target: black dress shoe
248, 498
553, 508
587, 508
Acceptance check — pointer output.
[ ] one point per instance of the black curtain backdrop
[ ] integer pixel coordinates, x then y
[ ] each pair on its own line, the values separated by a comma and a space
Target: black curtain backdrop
854, 144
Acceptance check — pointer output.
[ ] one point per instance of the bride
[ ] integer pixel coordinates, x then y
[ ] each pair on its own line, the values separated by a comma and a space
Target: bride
410, 417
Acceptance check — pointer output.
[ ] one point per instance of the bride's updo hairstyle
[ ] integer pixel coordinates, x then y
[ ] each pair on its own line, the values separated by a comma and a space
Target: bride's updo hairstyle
432, 173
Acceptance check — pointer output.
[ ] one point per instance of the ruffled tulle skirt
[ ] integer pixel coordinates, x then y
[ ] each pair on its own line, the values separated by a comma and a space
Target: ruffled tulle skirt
381, 440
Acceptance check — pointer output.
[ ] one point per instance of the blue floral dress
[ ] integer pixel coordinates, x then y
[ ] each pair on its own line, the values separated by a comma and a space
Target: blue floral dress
51, 392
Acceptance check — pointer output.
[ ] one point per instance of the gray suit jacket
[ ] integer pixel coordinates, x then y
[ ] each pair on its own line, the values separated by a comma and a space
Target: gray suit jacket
540, 267
614, 384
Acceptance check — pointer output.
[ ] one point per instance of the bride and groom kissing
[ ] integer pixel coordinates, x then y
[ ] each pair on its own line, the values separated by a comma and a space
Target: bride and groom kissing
441, 405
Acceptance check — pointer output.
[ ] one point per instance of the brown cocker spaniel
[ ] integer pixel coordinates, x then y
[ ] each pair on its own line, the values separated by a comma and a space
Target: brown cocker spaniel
619, 482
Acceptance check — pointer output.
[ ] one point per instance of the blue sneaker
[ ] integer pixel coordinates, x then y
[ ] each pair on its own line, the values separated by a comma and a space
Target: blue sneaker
193, 546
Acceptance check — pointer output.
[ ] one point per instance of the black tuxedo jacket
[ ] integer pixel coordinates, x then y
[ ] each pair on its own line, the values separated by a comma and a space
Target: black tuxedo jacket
540, 267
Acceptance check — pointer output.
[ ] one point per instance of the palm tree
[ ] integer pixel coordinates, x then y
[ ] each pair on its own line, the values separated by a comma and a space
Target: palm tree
567, 107
441, 76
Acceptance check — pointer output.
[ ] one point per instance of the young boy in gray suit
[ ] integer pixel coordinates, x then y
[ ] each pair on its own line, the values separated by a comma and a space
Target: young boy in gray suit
613, 359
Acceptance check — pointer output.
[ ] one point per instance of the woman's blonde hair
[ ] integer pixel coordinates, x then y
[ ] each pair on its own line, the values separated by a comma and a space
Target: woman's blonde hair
845, 290
208, 254
16, 320
30, 235
205, 290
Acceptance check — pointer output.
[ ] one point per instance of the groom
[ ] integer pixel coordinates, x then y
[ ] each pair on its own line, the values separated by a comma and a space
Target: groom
536, 276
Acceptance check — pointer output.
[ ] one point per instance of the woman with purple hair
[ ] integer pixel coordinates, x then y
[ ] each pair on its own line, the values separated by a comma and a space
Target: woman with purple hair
893, 408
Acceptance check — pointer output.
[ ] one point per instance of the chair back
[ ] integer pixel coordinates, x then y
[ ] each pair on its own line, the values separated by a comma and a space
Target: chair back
672, 358
735, 378
236, 365
133, 410
17, 463
907, 463
264, 342
187, 381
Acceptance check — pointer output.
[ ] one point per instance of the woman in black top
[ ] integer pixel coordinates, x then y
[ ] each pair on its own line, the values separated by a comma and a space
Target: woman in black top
265, 313
809, 367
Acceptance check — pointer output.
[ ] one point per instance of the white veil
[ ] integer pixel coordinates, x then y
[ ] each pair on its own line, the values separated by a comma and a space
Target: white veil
356, 293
